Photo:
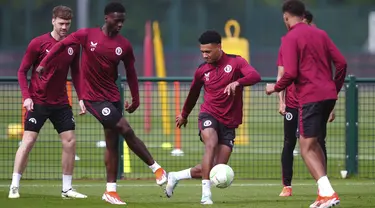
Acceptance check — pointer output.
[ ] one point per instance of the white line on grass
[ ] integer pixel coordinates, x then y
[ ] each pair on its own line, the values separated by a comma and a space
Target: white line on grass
193, 185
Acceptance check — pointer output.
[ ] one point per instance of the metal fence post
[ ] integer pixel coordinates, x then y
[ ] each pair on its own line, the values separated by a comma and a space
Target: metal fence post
351, 116
120, 171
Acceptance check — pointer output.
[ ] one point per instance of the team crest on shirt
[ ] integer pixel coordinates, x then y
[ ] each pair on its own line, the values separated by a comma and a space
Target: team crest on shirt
118, 51
228, 68
70, 51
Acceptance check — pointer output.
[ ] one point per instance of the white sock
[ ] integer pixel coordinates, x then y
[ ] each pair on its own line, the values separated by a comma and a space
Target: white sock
324, 186
16, 177
183, 174
154, 167
67, 182
111, 187
206, 188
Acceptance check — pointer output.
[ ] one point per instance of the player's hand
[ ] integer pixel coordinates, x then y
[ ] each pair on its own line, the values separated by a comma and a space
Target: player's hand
180, 121
28, 104
40, 70
83, 107
332, 116
270, 88
231, 88
132, 107
282, 109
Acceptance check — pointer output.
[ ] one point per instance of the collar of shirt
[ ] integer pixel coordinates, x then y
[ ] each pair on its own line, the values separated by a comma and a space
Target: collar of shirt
221, 61
296, 25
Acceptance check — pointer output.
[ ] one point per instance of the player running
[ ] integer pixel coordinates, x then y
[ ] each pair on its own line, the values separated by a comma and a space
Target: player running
223, 77
307, 56
103, 49
47, 98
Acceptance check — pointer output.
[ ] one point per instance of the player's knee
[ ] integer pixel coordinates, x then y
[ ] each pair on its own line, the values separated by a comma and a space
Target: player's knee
210, 146
28, 142
289, 143
307, 145
69, 142
125, 129
322, 143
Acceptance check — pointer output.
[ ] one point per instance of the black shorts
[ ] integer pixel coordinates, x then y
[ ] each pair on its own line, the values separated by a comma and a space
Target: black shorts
291, 123
313, 118
225, 135
61, 117
107, 113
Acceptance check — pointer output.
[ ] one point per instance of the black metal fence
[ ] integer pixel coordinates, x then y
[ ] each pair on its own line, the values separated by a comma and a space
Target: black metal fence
259, 142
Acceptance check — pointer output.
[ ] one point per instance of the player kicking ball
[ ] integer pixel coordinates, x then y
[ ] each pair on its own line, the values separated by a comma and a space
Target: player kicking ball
47, 98
103, 49
308, 53
223, 77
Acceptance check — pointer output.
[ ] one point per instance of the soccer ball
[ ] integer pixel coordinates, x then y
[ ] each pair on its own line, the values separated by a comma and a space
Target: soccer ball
221, 176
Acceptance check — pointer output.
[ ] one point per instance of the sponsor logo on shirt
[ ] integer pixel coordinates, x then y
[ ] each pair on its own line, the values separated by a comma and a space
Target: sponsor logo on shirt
207, 76
93, 45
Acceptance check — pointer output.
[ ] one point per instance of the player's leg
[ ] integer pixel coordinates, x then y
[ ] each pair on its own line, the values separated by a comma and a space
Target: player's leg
222, 155
111, 160
34, 121
223, 152
140, 149
107, 114
287, 157
322, 143
208, 133
312, 115
63, 120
